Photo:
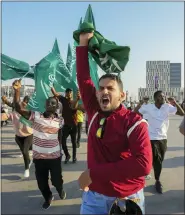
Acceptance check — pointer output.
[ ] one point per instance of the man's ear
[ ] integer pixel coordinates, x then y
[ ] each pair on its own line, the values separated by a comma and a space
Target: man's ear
97, 93
122, 96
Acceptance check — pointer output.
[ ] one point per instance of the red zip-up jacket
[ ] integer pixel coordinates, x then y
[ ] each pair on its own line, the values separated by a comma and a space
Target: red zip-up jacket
119, 161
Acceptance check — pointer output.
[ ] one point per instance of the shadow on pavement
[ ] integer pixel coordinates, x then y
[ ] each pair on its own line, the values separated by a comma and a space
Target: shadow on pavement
30, 202
10, 143
78, 166
12, 168
174, 162
11, 154
170, 202
11, 177
9, 173
73, 190
176, 148
150, 189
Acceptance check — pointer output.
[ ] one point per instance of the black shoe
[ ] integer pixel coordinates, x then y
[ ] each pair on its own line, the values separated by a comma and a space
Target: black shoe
67, 159
74, 160
47, 204
159, 187
77, 145
63, 195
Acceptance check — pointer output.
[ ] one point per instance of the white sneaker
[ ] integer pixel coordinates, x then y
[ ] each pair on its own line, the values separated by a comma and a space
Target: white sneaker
26, 173
31, 161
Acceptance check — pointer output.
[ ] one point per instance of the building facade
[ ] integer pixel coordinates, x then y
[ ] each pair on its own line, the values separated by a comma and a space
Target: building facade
165, 76
25, 90
175, 75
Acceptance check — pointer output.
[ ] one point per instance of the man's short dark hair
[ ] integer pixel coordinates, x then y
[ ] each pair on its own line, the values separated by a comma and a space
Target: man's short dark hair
68, 90
53, 97
113, 77
26, 98
157, 93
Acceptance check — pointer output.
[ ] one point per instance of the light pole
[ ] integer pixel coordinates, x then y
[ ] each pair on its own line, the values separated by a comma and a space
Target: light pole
127, 96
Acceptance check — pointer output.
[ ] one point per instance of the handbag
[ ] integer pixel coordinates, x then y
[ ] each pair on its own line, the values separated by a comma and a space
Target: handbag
130, 208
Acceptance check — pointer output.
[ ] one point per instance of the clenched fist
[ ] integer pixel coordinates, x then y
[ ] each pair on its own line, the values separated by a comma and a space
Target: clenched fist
4, 99
85, 37
16, 84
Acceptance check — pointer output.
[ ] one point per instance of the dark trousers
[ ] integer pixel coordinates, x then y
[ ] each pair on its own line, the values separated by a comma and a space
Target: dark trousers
66, 131
159, 148
79, 131
42, 169
24, 144
86, 127
2, 122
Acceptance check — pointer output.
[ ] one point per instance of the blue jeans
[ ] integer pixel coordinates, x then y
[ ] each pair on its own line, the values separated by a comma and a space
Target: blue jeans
95, 203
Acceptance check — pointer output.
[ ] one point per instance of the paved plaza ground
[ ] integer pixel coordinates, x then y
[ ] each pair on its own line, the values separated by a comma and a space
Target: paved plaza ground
21, 196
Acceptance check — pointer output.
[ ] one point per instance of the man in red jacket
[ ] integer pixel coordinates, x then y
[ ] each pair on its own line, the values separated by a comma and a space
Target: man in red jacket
119, 150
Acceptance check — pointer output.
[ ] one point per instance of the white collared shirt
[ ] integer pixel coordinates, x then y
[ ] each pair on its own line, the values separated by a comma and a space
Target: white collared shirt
145, 115
158, 119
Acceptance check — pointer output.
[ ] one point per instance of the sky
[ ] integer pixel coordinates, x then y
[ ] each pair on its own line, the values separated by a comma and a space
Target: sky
153, 31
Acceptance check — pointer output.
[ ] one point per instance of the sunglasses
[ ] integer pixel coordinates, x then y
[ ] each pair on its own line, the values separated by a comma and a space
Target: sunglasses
101, 129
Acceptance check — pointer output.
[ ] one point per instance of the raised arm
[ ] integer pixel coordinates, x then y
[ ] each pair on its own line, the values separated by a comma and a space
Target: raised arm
86, 86
74, 103
178, 110
136, 109
5, 100
54, 92
23, 112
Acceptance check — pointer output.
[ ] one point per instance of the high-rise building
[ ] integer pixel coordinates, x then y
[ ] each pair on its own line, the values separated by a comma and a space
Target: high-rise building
157, 74
175, 74
165, 76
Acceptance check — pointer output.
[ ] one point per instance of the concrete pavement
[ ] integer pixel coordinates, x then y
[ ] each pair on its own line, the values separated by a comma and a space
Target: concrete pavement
21, 196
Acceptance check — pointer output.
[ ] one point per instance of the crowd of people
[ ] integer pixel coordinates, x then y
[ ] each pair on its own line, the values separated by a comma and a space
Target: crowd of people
124, 143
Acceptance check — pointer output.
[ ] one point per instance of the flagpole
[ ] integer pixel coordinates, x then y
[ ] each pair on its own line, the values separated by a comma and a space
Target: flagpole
8, 91
24, 79
25, 74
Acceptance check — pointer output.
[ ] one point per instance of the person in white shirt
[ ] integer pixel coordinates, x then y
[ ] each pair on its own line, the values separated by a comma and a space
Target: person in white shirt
158, 120
146, 102
145, 116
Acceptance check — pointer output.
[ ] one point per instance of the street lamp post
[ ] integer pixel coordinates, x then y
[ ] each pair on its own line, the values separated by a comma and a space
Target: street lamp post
126, 96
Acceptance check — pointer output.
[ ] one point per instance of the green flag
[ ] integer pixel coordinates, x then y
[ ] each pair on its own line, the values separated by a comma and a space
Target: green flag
73, 62
45, 73
55, 47
108, 55
63, 78
89, 17
69, 58
33, 104
92, 64
25, 121
50, 71
12, 68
